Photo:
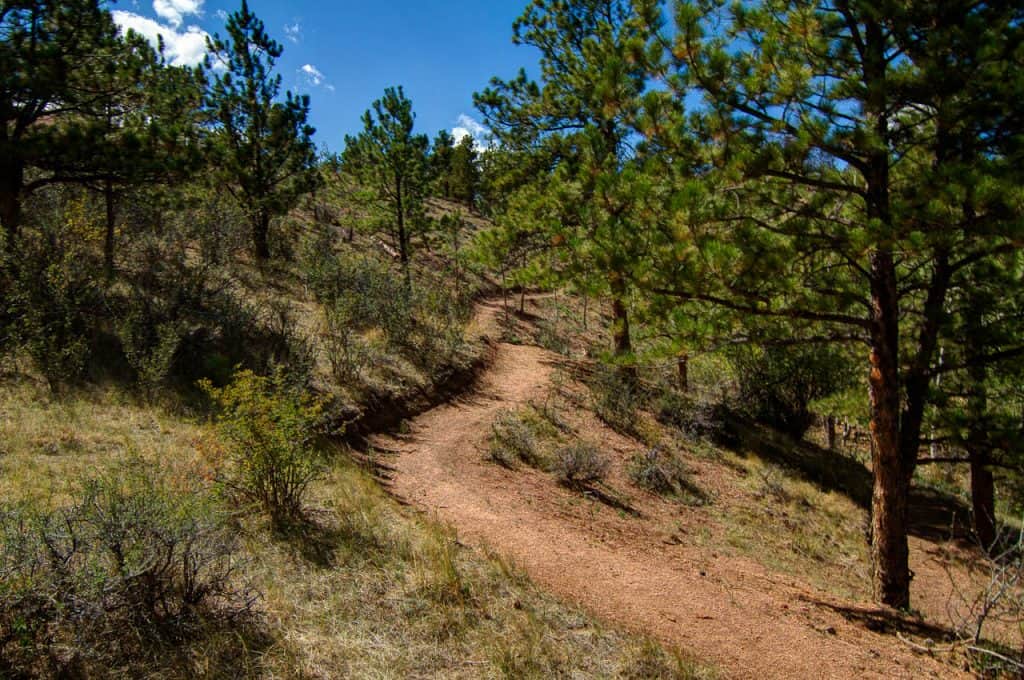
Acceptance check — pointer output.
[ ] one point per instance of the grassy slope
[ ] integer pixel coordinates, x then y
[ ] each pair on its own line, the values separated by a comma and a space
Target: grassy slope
770, 502
366, 590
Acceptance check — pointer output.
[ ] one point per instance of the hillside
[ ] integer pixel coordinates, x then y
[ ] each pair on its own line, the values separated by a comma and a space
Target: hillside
755, 549
360, 587
667, 339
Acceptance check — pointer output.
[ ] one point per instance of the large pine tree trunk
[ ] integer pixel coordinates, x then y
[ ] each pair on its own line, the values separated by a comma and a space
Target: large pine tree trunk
261, 236
890, 553
12, 176
983, 499
889, 512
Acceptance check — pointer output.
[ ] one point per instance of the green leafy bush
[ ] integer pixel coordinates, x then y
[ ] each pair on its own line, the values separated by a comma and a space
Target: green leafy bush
695, 417
176, 318
268, 432
129, 566
360, 294
616, 398
346, 352
54, 297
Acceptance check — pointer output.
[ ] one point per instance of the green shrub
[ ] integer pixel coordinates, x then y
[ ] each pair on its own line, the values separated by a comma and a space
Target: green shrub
360, 293
663, 473
580, 464
549, 337
513, 442
268, 432
777, 385
149, 346
177, 318
345, 350
130, 566
54, 297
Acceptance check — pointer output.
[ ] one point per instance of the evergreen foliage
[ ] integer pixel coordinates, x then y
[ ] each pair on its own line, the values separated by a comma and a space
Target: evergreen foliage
262, 146
861, 161
389, 157
581, 120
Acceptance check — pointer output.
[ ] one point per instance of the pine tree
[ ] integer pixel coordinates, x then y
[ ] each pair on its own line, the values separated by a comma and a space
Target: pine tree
53, 58
978, 406
581, 117
148, 132
263, 146
821, 217
389, 157
441, 153
464, 172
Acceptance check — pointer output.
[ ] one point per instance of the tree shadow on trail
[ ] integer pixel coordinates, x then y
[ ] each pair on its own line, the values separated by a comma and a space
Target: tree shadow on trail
934, 516
886, 621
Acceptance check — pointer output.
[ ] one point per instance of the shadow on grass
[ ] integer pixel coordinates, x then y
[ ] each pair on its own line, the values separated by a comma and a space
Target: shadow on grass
933, 515
223, 646
232, 649
313, 537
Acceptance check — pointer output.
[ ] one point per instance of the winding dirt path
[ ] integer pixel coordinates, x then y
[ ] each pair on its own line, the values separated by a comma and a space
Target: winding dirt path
725, 610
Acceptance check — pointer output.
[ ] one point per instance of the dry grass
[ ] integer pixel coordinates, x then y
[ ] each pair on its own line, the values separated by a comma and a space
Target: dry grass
361, 590
792, 526
393, 596
49, 445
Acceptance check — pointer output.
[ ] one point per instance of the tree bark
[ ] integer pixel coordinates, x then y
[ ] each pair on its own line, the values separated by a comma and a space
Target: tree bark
889, 512
890, 553
983, 500
12, 177
983, 494
683, 367
260, 236
830, 426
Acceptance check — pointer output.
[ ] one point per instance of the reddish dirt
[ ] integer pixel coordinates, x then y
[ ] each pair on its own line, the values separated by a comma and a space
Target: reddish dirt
726, 610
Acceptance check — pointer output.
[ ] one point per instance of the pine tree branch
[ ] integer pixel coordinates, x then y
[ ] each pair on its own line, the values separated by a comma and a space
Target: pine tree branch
804, 314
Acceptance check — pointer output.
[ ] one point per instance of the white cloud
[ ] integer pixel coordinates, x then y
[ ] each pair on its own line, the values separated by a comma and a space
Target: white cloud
467, 125
174, 11
313, 74
183, 48
293, 32
222, 15
314, 77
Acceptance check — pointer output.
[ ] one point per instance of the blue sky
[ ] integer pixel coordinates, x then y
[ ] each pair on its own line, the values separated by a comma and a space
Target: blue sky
343, 54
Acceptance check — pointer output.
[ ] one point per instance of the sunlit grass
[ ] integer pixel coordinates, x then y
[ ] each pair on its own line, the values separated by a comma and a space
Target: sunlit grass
364, 589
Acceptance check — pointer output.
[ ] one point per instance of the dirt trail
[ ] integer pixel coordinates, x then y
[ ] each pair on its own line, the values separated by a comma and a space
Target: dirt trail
725, 610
